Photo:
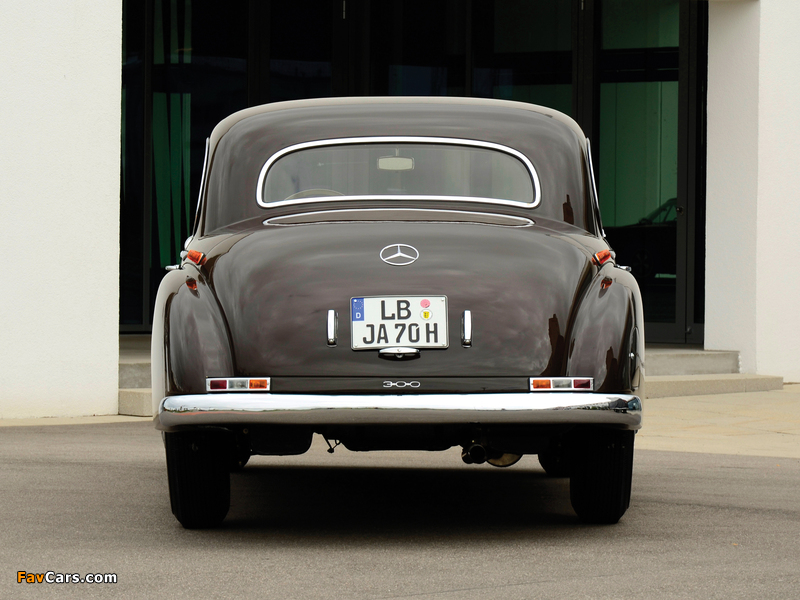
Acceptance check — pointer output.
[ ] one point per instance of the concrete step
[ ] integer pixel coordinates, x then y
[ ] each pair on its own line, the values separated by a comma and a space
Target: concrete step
134, 374
665, 386
662, 359
137, 402
134, 361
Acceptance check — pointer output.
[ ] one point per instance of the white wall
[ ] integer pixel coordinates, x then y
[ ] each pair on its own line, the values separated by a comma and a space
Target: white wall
732, 181
778, 221
60, 67
753, 194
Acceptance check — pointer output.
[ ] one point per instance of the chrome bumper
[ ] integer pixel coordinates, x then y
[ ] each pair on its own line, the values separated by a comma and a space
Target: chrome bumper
549, 408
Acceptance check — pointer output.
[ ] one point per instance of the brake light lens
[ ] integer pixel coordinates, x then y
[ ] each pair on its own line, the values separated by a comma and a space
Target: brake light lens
238, 384
214, 385
561, 384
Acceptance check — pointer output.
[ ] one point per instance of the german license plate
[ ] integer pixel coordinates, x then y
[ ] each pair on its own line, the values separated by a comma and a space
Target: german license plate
387, 321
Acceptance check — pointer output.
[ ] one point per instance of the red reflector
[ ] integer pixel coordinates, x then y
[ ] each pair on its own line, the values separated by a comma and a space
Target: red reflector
196, 257
218, 384
191, 284
582, 384
606, 283
259, 384
540, 384
602, 257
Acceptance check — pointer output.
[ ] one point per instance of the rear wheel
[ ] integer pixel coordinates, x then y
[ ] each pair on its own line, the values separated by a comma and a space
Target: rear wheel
600, 478
199, 481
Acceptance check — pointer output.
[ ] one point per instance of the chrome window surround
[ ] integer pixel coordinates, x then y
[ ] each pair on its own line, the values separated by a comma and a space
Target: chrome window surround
537, 193
202, 186
596, 198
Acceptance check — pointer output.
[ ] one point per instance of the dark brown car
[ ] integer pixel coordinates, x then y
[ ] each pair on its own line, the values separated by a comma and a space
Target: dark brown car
398, 273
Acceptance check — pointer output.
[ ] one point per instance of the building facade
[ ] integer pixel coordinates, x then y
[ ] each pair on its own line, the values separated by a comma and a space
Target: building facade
688, 105
632, 73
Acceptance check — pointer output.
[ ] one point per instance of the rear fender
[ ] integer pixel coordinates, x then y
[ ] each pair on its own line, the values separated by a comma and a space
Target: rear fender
607, 337
190, 336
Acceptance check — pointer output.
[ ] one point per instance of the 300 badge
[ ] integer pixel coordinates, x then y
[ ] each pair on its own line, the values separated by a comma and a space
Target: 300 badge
401, 384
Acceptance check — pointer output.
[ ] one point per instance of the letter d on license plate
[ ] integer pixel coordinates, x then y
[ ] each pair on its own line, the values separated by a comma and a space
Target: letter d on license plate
386, 321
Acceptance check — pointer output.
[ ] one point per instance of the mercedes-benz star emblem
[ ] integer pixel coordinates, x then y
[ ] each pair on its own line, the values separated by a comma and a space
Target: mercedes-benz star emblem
399, 255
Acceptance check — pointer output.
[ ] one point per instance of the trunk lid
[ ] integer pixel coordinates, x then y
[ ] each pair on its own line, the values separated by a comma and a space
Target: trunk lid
276, 285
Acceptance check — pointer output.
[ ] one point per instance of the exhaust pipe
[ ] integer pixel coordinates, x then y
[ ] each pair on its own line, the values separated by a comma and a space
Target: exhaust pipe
474, 454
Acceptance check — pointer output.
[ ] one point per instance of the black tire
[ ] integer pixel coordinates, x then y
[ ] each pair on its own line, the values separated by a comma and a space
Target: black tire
600, 482
555, 460
199, 481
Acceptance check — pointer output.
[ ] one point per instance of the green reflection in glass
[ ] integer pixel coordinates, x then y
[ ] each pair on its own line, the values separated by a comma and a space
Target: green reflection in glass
638, 149
171, 135
640, 24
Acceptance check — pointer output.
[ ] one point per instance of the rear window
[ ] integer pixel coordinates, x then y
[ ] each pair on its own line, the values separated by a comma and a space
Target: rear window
398, 168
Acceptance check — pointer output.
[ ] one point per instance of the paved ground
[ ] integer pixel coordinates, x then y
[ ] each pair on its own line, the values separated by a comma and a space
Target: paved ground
715, 514
754, 424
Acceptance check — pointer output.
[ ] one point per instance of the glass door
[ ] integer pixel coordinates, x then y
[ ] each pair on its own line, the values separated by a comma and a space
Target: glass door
643, 204
181, 74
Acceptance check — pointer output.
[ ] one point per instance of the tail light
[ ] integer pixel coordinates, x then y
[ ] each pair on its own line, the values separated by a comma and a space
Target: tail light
238, 384
561, 384
196, 257
602, 257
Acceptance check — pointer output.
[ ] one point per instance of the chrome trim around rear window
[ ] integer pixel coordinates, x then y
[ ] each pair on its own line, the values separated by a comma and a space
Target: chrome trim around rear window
202, 188
537, 193
595, 197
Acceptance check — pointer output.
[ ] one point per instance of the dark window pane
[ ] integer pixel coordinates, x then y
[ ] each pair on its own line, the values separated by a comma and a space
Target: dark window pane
301, 52
523, 52
417, 48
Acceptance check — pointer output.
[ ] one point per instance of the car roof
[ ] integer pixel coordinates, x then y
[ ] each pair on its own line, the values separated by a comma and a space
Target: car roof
458, 105
242, 144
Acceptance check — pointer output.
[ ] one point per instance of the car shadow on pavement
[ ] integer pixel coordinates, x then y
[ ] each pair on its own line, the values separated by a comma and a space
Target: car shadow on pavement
429, 502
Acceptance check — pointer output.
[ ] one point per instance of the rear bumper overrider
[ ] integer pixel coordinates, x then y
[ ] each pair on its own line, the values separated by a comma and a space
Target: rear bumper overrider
557, 408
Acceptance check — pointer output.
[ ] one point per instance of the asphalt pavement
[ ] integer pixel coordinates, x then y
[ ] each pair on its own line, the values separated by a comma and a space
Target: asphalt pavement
715, 513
